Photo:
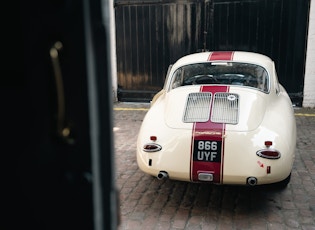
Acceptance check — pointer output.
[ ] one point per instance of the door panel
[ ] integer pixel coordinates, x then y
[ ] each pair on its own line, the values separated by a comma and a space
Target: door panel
276, 28
150, 36
48, 179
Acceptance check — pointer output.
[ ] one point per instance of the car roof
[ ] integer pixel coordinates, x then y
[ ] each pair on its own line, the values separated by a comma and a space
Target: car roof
234, 56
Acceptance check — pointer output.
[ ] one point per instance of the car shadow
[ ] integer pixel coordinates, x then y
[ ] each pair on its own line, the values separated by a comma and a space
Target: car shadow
214, 199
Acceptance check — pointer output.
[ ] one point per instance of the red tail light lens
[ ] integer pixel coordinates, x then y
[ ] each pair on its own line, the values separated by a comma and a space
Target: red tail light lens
268, 143
269, 153
152, 147
153, 138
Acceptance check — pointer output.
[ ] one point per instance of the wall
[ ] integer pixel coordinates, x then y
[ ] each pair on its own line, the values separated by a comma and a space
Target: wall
309, 82
112, 51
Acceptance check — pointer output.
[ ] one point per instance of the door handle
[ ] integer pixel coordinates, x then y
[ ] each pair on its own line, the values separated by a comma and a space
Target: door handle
63, 130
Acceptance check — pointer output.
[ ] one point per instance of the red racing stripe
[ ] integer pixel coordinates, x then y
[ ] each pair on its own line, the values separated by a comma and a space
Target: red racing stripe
221, 56
207, 148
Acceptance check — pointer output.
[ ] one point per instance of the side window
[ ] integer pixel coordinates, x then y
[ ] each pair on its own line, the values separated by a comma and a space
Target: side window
177, 78
262, 79
277, 83
167, 76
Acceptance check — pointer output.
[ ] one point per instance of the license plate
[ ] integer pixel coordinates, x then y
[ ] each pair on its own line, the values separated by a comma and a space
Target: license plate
207, 151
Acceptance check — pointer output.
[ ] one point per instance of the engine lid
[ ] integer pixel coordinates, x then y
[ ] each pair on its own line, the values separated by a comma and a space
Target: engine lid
240, 109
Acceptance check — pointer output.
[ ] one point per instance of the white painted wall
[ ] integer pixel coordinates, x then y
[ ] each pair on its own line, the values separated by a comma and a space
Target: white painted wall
113, 50
309, 80
109, 18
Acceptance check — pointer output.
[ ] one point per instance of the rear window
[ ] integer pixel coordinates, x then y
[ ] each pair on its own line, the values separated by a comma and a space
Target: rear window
227, 73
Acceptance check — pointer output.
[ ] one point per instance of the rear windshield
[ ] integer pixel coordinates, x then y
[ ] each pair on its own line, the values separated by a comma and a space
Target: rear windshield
227, 73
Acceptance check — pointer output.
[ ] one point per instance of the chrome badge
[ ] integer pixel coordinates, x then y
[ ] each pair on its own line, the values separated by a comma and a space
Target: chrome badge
231, 97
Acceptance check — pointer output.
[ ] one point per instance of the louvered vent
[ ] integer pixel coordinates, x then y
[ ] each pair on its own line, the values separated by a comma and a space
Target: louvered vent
225, 108
197, 107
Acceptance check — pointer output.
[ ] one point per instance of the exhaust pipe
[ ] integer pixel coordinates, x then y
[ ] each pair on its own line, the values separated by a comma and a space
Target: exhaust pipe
252, 181
162, 175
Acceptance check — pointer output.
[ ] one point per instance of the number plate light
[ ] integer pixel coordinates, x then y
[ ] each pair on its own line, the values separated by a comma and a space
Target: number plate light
205, 176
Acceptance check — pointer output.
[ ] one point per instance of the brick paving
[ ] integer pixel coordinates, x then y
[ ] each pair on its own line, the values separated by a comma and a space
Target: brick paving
149, 203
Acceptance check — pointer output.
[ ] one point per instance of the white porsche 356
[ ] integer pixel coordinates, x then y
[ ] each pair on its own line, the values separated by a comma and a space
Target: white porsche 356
221, 118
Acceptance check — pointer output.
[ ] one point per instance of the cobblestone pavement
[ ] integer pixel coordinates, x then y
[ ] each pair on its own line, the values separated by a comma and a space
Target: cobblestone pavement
149, 203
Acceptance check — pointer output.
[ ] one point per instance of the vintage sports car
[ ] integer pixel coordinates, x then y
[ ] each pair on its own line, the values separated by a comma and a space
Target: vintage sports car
221, 118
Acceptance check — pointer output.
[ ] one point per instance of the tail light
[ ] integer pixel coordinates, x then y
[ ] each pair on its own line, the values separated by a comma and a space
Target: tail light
153, 138
268, 143
152, 147
269, 153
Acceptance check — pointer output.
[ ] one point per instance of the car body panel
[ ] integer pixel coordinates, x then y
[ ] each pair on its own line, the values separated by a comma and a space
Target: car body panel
212, 132
252, 109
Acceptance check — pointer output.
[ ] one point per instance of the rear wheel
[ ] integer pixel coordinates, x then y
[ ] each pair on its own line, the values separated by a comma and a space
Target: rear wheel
283, 184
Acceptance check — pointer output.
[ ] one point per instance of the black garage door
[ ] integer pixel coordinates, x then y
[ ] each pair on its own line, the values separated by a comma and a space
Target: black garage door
150, 35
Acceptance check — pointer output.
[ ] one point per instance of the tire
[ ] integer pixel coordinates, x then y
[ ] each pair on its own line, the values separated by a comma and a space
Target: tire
283, 184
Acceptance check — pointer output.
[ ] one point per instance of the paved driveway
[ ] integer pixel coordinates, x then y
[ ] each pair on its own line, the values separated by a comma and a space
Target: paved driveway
148, 203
